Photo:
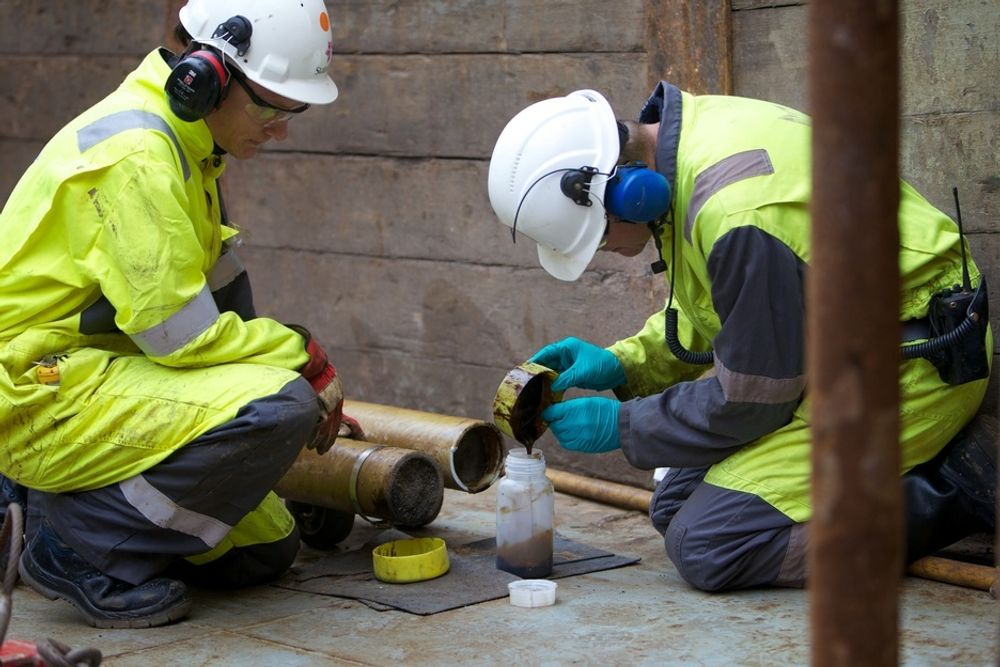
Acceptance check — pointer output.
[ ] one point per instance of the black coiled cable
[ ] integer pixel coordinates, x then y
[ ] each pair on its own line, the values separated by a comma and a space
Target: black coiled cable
938, 343
679, 351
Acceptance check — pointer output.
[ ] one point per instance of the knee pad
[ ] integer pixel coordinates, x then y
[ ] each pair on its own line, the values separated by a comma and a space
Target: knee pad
241, 566
668, 498
688, 564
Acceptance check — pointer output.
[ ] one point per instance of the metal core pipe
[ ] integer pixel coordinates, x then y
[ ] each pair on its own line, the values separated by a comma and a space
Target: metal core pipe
958, 573
400, 486
469, 451
603, 491
855, 549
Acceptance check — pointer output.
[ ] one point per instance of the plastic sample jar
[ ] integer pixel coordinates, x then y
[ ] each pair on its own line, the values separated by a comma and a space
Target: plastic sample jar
525, 507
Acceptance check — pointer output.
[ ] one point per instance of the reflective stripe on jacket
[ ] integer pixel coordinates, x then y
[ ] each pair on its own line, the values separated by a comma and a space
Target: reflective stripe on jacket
740, 175
112, 247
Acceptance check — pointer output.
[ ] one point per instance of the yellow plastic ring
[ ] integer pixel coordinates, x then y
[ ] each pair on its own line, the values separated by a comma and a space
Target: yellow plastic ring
406, 561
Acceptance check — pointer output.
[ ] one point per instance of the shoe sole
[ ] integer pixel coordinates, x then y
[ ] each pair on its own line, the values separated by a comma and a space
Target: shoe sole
94, 616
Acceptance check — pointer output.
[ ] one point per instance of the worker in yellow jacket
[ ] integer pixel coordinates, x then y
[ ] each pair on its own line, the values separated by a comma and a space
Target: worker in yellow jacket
714, 387
146, 412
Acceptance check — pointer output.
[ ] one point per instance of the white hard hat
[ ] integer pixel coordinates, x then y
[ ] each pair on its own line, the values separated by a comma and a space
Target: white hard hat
538, 147
290, 45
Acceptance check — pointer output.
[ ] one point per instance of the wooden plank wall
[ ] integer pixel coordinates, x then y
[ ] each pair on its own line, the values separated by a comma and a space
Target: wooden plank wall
371, 223
950, 104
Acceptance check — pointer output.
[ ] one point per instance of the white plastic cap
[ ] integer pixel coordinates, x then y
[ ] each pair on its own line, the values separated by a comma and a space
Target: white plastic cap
532, 592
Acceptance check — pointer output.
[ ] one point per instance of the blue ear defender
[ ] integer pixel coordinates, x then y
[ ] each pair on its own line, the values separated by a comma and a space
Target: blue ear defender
637, 193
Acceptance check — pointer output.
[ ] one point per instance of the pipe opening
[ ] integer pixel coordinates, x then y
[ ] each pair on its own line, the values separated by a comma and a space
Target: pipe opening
415, 492
477, 458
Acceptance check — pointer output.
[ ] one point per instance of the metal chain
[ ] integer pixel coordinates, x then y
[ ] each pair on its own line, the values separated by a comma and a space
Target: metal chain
57, 654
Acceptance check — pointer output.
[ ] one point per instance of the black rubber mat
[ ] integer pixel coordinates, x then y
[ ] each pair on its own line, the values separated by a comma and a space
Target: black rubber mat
472, 576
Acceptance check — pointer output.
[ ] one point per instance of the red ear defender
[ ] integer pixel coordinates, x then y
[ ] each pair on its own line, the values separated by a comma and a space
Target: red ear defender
196, 84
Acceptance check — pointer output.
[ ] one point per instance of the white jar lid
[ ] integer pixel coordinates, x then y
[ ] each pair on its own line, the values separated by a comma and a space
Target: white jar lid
532, 592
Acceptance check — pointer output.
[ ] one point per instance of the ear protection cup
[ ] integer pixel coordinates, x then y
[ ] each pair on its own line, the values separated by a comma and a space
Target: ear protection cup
198, 81
637, 193
196, 84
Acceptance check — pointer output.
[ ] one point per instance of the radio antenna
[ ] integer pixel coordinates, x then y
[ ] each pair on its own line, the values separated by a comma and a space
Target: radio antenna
966, 282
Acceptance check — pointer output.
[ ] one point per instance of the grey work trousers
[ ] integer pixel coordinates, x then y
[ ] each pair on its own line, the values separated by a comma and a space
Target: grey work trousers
206, 486
719, 539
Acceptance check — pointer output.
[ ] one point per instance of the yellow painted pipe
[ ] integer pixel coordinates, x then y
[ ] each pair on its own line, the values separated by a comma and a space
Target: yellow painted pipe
470, 452
520, 399
609, 493
400, 486
959, 573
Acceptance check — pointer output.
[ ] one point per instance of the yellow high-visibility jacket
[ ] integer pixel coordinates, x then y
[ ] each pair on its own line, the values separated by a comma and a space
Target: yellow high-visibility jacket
119, 217
740, 171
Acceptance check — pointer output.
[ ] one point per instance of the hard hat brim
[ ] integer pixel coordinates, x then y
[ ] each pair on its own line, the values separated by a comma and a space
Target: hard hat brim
568, 267
305, 92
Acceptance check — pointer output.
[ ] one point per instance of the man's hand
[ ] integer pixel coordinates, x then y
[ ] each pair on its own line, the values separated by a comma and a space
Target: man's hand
585, 424
581, 364
322, 375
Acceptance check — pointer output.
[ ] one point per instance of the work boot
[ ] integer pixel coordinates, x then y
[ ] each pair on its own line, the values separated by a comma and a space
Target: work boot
53, 569
971, 465
953, 495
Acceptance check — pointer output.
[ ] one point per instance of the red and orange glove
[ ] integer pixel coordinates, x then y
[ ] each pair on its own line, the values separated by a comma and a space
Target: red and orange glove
322, 375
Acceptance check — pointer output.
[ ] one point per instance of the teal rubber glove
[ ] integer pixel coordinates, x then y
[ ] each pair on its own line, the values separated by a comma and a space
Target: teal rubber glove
581, 364
587, 424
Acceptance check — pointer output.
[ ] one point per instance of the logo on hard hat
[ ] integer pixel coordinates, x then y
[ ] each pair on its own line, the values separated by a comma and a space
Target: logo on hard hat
321, 69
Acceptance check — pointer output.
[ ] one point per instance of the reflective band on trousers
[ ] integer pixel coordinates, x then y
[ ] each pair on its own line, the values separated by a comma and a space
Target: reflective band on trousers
724, 172
180, 328
122, 121
224, 271
165, 513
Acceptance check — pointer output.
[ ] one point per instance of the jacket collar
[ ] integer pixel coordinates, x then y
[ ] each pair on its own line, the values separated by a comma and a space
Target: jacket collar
147, 82
664, 107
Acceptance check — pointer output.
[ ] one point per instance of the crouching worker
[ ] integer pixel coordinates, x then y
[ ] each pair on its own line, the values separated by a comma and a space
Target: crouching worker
715, 387
146, 412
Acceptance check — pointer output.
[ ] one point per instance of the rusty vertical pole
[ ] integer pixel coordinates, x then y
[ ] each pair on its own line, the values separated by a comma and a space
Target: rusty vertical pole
855, 557
689, 44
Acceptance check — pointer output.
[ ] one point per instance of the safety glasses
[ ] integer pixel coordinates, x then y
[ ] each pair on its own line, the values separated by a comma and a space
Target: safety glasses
263, 111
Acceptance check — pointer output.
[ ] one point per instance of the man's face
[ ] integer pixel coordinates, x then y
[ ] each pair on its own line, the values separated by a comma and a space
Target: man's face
235, 125
625, 238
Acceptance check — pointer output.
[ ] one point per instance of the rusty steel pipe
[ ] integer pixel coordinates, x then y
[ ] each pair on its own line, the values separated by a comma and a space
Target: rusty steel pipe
400, 486
958, 573
469, 452
855, 549
610, 493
